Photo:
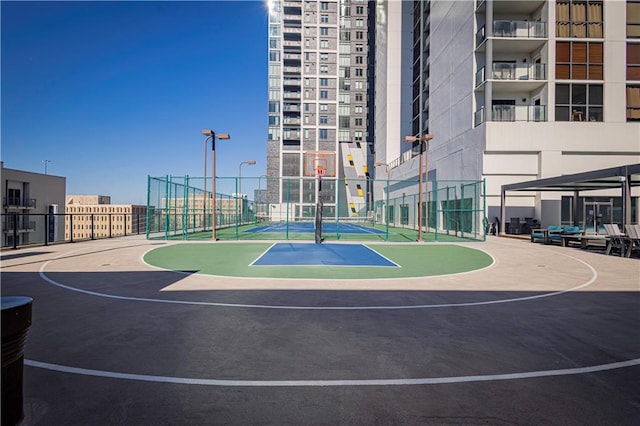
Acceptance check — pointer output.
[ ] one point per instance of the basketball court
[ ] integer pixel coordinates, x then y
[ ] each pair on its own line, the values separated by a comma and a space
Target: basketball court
158, 333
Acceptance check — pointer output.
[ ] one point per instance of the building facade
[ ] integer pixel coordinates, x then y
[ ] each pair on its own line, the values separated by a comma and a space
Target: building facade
31, 207
320, 97
93, 216
516, 91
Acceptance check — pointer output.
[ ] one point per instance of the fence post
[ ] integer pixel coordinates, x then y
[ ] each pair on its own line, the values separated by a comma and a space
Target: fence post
15, 230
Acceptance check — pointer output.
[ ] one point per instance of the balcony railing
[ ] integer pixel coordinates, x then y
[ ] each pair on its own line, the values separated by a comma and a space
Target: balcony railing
292, 95
478, 117
292, 69
519, 113
480, 36
25, 203
292, 82
511, 71
512, 113
520, 29
480, 76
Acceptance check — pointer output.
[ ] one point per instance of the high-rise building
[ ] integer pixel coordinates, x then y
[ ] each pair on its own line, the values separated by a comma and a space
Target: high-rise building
513, 91
320, 97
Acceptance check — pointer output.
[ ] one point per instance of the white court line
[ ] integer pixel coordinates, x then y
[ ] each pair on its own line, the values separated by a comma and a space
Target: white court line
594, 276
346, 382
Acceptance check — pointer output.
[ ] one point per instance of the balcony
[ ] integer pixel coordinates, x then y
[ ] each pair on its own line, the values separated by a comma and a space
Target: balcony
292, 82
291, 95
480, 36
511, 77
292, 30
294, 70
291, 108
511, 71
519, 29
512, 113
19, 203
519, 113
291, 121
292, 43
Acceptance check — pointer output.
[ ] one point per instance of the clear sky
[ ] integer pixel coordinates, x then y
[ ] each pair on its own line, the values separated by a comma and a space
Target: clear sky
110, 92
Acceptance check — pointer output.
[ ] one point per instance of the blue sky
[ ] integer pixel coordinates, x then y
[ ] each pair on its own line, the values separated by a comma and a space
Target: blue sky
111, 92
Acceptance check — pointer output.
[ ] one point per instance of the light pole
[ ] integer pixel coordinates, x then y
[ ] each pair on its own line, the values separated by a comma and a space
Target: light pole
250, 162
45, 165
211, 134
423, 140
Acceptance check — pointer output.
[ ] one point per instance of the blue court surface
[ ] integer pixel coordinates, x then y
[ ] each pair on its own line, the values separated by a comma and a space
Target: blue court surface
309, 227
308, 254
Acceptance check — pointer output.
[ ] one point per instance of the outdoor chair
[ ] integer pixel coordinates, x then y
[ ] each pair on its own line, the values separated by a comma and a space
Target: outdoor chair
546, 234
616, 239
633, 235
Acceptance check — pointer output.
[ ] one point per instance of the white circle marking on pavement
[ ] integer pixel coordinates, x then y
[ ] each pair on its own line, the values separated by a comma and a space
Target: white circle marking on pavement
346, 382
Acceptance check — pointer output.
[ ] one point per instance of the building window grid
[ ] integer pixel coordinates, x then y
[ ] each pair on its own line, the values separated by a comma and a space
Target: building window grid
579, 60
579, 18
579, 102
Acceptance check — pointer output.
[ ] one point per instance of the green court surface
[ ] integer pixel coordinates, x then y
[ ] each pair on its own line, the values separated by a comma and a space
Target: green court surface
234, 259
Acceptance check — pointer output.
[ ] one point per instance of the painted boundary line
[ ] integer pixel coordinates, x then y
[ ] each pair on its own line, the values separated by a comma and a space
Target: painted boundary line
594, 276
318, 383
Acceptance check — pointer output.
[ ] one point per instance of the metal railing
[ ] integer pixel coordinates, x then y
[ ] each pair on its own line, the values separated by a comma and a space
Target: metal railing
19, 229
20, 202
519, 29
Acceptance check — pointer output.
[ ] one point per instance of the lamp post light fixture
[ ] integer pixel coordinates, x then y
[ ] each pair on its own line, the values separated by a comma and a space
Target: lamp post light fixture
250, 162
210, 134
424, 142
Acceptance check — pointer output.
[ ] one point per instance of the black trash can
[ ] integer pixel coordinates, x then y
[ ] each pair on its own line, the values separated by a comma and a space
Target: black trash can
16, 319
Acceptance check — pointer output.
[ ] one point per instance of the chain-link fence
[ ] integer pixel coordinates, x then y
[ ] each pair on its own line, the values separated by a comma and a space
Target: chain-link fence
265, 208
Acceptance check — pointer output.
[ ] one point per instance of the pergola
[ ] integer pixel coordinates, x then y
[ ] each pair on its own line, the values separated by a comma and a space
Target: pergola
623, 178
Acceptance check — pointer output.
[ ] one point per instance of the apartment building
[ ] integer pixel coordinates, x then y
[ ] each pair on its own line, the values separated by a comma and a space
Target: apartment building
515, 91
30, 207
320, 96
93, 216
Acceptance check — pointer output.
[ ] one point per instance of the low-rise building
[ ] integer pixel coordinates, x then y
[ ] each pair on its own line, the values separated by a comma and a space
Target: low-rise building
93, 216
31, 207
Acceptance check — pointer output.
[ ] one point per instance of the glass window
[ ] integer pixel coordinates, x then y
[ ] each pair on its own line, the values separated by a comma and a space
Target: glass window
324, 82
579, 102
633, 61
324, 119
324, 94
324, 19
579, 18
579, 60
633, 19
633, 103
324, 5
323, 134
324, 31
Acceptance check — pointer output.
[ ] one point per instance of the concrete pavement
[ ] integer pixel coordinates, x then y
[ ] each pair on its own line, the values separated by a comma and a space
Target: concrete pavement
547, 335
